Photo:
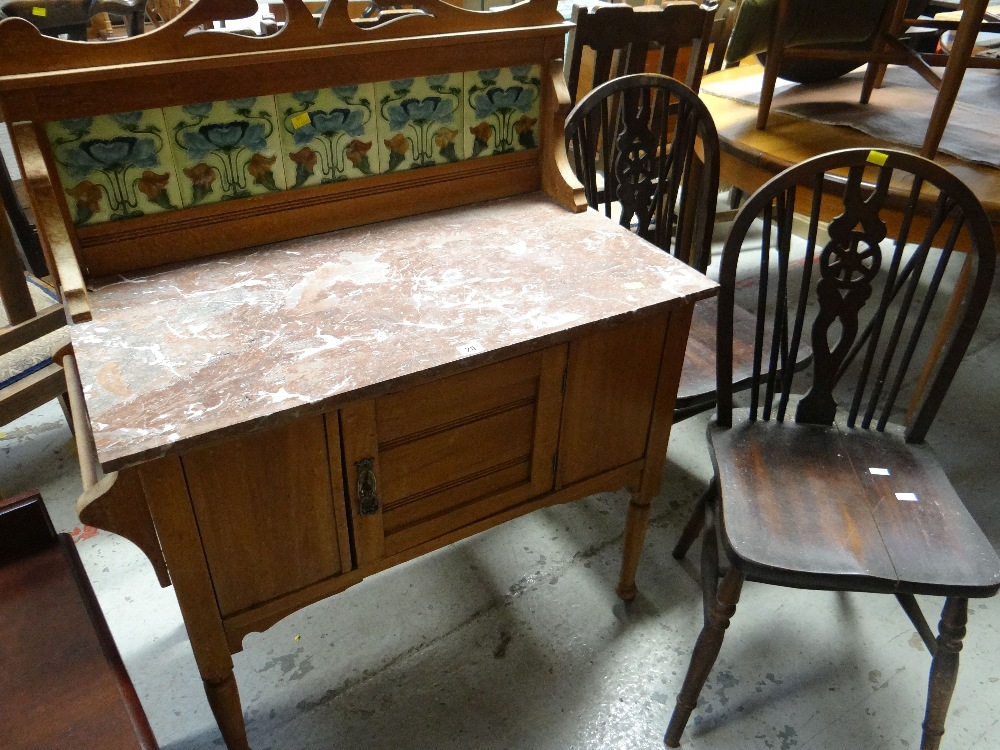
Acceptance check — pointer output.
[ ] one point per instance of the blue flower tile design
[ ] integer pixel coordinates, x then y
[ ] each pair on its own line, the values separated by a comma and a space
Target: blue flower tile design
502, 110
130, 164
420, 121
327, 134
116, 166
226, 150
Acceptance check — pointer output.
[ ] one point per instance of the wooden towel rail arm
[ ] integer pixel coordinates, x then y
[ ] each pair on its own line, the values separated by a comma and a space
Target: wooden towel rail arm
114, 501
559, 180
60, 253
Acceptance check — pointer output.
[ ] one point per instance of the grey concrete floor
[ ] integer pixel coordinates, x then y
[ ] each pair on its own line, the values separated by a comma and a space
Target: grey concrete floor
515, 639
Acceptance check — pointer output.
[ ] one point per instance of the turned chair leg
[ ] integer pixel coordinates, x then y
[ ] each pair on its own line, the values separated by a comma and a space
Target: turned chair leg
706, 651
695, 523
709, 562
944, 670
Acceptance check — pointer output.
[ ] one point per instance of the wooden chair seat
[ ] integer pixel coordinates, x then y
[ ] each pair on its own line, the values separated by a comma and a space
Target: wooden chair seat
826, 514
696, 392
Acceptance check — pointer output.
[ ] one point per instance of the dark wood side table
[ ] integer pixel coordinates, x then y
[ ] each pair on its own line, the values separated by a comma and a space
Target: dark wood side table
63, 681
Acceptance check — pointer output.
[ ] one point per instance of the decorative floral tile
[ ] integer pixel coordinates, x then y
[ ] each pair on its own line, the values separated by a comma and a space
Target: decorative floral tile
327, 134
115, 166
501, 110
419, 121
226, 149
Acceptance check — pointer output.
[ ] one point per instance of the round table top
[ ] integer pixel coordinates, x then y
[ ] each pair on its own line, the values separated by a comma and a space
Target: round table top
750, 156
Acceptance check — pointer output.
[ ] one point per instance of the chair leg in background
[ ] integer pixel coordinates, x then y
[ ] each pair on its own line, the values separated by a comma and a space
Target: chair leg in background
944, 670
694, 525
736, 197
779, 32
909, 604
706, 651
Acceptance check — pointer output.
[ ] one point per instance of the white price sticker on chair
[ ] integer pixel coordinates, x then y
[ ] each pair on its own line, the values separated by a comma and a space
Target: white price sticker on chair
878, 472
906, 497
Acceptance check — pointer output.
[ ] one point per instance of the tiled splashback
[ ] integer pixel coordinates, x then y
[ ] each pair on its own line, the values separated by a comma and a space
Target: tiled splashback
136, 163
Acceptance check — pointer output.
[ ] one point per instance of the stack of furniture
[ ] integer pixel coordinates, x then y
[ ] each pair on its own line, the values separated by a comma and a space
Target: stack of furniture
878, 45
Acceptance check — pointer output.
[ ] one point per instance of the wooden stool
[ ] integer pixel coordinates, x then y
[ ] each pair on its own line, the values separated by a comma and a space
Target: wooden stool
63, 682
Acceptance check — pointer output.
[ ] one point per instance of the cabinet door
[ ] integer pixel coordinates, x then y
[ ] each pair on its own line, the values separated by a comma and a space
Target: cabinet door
452, 452
270, 510
610, 391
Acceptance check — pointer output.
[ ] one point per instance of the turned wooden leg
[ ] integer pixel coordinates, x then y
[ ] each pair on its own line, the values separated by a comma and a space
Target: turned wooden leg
890, 27
706, 651
165, 488
709, 561
224, 700
944, 670
695, 523
962, 47
636, 523
637, 516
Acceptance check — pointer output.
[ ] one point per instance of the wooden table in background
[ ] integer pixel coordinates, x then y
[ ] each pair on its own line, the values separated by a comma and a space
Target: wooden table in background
750, 157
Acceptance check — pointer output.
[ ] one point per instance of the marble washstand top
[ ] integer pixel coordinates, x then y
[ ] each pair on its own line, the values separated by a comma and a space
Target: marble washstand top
181, 355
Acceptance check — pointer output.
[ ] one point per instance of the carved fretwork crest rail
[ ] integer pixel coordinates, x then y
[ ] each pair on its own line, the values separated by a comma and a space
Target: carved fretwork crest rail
206, 93
185, 38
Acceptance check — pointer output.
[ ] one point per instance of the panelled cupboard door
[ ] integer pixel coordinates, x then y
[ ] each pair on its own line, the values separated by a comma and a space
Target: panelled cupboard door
610, 391
454, 451
270, 510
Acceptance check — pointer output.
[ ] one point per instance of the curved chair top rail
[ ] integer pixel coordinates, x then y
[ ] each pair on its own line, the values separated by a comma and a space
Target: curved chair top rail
647, 142
908, 266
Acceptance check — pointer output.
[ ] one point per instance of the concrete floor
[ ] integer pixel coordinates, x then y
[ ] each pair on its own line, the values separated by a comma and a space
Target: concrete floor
515, 639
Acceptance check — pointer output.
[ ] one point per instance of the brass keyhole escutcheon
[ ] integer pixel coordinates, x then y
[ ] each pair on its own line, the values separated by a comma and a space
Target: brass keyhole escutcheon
367, 487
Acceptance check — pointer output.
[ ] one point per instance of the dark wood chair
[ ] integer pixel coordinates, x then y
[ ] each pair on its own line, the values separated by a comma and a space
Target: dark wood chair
612, 40
28, 338
647, 152
20, 221
63, 681
815, 484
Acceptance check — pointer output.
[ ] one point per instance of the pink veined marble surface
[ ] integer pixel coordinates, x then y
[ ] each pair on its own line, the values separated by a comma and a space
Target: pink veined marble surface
180, 353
